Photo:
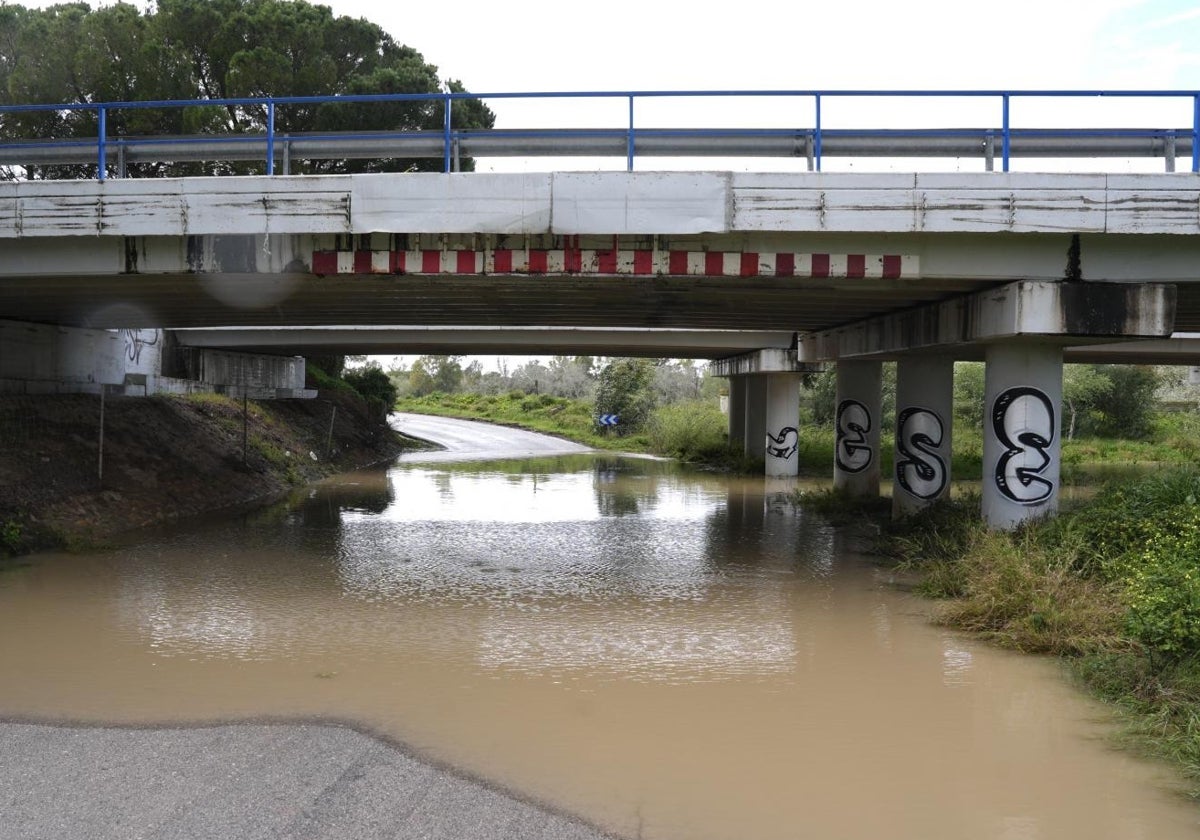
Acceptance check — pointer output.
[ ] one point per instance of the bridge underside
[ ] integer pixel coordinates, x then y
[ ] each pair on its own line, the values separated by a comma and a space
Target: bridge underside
512, 341
184, 300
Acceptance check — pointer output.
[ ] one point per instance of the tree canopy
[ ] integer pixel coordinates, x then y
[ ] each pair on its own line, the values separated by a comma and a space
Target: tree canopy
215, 49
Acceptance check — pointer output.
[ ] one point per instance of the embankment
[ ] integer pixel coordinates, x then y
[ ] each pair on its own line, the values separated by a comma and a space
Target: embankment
165, 458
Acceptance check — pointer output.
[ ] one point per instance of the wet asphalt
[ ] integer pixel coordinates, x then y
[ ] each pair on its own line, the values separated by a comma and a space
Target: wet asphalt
243, 782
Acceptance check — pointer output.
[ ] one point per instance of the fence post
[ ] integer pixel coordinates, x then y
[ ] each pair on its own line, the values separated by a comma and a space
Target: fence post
270, 137
817, 132
100, 462
629, 145
1196, 133
1007, 134
101, 142
446, 151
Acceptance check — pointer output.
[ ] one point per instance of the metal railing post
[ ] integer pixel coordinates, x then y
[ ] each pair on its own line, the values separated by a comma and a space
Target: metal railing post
1196, 133
101, 142
629, 145
1006, 144
817, 132
270, 137
446, 150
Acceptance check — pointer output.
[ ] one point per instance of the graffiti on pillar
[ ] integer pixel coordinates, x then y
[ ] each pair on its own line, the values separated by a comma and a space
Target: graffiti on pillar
920, 470
853, 450
136, 341
785, 445
1023, 421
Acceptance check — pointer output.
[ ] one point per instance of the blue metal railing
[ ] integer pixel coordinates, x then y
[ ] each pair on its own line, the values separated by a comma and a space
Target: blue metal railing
450, 136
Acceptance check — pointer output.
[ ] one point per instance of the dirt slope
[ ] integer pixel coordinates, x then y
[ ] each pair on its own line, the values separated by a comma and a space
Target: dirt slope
164, 458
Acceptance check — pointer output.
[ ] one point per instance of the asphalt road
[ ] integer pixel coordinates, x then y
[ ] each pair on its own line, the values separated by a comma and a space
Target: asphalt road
471, 440
244, 782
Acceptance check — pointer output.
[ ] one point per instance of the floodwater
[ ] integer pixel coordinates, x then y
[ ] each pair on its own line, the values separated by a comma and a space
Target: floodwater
667, 655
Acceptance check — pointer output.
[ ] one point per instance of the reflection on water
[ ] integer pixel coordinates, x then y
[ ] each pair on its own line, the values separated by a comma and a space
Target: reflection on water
668, 655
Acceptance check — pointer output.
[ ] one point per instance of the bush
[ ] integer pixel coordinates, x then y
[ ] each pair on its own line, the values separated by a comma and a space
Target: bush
689, 430
375, 386
1164, 591
623, 388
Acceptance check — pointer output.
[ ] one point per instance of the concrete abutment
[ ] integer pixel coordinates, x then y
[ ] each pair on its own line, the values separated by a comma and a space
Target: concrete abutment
51, 359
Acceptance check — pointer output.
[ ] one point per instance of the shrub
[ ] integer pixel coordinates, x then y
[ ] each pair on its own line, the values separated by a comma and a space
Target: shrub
689, 430
623, 388
1164, 590
375, 386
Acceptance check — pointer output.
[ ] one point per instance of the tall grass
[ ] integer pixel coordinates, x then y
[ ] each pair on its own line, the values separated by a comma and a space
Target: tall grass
695, 430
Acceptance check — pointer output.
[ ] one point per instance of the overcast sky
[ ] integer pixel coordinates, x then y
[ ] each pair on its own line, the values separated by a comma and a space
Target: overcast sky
648, 44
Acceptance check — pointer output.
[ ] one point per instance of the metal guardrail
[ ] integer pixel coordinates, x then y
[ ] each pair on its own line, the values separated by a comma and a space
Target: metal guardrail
814, 143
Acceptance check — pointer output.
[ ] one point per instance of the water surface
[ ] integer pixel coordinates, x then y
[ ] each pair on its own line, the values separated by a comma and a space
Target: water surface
668, 655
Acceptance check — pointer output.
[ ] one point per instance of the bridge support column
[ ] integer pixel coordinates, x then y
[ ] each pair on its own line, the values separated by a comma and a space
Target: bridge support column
782, 428
857, 416
1021, 432
924, 411
756, 416
737, 411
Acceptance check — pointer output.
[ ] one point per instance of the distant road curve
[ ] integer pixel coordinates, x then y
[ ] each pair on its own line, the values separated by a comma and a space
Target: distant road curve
471, 440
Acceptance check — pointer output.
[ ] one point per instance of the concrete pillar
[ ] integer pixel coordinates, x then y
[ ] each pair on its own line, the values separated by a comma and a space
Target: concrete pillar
737, 411
756, 416
1021, 432
782, 427
856, 446
924, 411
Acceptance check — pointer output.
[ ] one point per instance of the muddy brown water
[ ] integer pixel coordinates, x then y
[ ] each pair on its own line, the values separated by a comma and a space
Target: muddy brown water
667, 655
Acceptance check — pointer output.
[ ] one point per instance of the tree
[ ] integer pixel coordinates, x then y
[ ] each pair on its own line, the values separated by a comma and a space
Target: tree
215, 49
375, 387
676, 382
624, 388
1084, 388
1127, 411
435, 373
969, 393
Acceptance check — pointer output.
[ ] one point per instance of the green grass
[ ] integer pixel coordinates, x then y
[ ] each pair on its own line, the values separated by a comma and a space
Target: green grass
692, 431
571, 419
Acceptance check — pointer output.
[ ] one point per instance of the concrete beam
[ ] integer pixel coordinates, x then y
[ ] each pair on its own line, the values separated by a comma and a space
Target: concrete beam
770, 360
1053, 312
1179, 349
639, 203
513, 341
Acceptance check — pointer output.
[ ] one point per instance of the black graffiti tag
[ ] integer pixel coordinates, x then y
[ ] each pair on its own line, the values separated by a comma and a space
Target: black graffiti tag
853, 451
785, 445
1023, 420
920, 470
134, 342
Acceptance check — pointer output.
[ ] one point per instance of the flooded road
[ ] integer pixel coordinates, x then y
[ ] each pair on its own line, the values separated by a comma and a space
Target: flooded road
666, 654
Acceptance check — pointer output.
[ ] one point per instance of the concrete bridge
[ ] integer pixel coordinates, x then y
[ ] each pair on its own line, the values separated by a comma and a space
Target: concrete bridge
766, 273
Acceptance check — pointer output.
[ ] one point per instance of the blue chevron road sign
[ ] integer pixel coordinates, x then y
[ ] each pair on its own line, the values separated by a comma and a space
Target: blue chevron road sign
609, 419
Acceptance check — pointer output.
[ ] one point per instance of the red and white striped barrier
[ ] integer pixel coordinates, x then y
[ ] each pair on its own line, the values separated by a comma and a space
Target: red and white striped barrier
618, 263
